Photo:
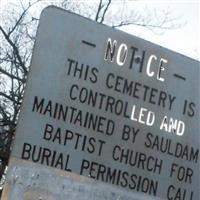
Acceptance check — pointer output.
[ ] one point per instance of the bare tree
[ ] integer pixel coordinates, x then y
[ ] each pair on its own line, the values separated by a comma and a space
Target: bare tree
17, 34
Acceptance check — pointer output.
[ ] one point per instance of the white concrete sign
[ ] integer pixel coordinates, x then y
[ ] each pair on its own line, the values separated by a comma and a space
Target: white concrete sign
113, 107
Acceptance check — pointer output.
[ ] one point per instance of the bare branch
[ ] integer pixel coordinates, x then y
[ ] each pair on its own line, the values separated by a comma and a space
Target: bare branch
21, 16
17, 23
162, 25
3, 113
11, 75
105, 11
98, 11
15, 49
10, 98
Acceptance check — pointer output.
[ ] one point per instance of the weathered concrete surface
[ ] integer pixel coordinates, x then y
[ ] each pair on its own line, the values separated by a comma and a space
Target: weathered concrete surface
29, 181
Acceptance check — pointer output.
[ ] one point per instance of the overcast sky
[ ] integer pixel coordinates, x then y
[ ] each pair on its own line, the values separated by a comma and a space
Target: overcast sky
185, 40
